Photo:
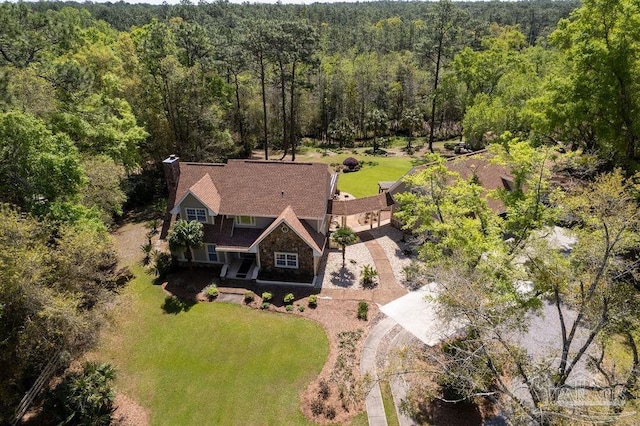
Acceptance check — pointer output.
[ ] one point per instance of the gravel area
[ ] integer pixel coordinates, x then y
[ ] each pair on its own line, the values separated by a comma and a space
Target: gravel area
389, 239
333, 275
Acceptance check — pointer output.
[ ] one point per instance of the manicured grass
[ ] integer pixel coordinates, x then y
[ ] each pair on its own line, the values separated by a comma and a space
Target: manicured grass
365, 181
213, 363
389, 406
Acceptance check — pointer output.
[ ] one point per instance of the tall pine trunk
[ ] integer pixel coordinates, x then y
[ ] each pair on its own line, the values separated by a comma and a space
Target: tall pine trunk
285, 141
292, 129
435, 92
264, 109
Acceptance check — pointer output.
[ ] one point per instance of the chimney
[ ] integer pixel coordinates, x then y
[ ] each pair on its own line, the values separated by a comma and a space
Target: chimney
171, 168
172, 172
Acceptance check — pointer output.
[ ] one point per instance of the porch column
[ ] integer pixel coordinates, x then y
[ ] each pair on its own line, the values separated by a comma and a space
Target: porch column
379, 215
371, 220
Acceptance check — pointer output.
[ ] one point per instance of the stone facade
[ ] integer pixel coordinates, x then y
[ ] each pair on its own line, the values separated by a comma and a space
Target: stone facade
286, 242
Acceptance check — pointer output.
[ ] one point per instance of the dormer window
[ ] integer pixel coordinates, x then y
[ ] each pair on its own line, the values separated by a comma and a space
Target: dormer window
245, 220
199, 215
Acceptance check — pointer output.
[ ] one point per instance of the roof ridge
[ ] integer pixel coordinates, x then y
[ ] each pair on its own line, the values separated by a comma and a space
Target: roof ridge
193, 163
298, 163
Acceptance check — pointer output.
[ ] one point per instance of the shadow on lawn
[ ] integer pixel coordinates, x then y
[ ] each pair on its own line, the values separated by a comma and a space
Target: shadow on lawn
174, 305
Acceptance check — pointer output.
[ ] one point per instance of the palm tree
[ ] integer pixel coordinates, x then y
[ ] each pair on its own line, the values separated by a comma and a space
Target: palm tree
185, 237
343, 237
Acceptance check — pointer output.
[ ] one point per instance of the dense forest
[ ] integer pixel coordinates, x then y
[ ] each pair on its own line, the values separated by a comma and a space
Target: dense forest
94, 95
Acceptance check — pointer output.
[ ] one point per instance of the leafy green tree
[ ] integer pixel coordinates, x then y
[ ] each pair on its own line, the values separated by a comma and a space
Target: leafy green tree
599, 88
183, 95
257, 34
498, 289
481, 69
54, 281
296, 43
343, 237
85, 397
446, 21
526, 201
342, 131
449, 214
186, 236
412, 120
29, 37
40, 167
377, 122
103, 189
103, 125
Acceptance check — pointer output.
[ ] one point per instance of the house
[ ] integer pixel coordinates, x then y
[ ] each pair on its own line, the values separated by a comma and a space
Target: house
262, 220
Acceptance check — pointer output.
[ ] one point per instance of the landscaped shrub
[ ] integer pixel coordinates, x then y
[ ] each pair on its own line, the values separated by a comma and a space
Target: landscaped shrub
313, 301
380, 152
342, 374
450, 146
363, 309
265, 305
162, 264
351, 163
211, 291
301, 308
267, 296
84, 397
330, 412
289, 308
147, 249
317, 406
249, 297
288, 298
368, 275
324, 391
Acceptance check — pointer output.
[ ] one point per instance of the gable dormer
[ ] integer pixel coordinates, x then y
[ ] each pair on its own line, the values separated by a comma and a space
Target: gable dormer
201, 202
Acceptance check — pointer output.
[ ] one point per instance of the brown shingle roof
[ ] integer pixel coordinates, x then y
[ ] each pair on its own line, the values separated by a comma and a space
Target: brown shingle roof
225, 236
490, 175
206, 191
360, 205
259, 188
314, 239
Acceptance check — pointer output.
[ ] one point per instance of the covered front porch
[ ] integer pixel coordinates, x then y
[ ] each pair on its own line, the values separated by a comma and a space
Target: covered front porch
240, 266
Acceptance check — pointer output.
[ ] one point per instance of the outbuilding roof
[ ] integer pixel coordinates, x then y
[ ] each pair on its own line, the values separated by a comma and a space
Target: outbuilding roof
489, 175
373, 203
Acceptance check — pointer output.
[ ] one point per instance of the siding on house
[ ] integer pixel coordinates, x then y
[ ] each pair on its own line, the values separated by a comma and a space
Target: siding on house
192, 202
260, 222
201, 255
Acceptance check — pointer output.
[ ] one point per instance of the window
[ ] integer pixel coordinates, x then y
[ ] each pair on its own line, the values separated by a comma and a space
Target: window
212, 255
286, 260
245, 220
196, 214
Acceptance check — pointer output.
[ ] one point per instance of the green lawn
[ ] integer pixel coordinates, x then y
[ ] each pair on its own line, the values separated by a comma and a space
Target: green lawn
389, 406
365, 181
214, 363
